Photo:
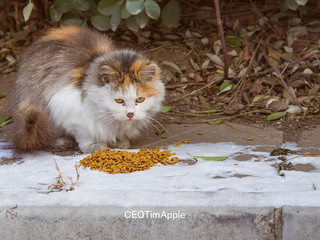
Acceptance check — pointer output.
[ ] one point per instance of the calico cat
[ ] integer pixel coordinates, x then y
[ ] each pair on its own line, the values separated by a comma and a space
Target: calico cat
74, 84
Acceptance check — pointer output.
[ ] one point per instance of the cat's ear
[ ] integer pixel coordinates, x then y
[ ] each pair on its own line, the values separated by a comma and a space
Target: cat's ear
149, 72
107, 74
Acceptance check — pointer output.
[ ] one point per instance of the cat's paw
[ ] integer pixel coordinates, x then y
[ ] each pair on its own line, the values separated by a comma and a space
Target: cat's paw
63, 143
93, 147
123, 144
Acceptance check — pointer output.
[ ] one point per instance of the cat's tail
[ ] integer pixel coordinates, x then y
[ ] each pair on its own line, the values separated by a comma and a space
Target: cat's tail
30, 128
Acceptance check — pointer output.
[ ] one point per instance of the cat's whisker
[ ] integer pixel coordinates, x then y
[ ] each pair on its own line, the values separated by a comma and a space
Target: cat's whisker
116, 122
108, 121
101, 118
158, 130
150, 123
159, 125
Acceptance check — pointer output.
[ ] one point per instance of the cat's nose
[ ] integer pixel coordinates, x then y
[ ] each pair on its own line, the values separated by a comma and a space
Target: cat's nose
130, 115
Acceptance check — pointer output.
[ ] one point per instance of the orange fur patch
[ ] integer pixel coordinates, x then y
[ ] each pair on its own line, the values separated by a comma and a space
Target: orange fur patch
61, 33
78, 74
147, 90
137, 66
103, 46
126, 81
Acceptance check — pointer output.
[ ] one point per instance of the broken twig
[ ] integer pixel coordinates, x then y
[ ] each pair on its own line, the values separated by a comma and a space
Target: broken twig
193, 92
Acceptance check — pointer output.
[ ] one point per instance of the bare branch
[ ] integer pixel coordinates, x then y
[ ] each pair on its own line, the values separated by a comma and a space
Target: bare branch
223, 42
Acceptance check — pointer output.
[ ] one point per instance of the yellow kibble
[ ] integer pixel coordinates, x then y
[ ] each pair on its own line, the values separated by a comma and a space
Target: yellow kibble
112, 161
164, 137
187, 141
200, 133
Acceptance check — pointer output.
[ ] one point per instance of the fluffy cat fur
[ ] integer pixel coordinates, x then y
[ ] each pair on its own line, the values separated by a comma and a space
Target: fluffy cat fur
74, 84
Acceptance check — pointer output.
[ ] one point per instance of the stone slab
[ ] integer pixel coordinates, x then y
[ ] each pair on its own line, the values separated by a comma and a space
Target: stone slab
136, 223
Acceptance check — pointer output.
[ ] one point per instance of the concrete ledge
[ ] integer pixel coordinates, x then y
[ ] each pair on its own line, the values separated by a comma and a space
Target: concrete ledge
111, 222
137, 223
301, 223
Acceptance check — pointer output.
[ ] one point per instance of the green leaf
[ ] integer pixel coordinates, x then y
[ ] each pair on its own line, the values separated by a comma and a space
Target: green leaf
208, 158
73, 21
215, 122
224, 85
106, 7
215, 59
124, 12
93, 8
152, 9
303, 10
75, 10
27, 11
135, 6
301, 2
172, 66
160, 131
166, 109
83, 5
55, 14
292, 4
131, 23
194, 65
171, 13
61, 6
142, 19
208, 111
234, 42
101, 22
226, 89
295, 109
275, 116
2, 95
5, 120
287, 95
257, 98
115, 18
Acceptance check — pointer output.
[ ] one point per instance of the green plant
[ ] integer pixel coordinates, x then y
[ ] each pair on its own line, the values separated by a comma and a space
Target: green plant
107, 14
297, 4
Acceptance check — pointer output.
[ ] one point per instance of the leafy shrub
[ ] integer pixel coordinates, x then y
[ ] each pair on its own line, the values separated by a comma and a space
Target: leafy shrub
107, 14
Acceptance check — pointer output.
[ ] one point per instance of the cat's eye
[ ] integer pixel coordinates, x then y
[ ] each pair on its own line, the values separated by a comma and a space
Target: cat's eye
119, 100
140, 99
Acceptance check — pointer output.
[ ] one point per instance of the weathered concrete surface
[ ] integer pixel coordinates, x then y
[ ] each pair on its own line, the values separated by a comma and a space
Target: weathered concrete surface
121, 223
301, 223
110, 222
310, 140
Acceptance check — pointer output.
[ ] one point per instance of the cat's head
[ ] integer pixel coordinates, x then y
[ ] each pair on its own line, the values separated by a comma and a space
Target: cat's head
127, 86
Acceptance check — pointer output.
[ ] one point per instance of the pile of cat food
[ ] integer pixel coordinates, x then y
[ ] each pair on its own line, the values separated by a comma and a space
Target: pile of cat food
112, 161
